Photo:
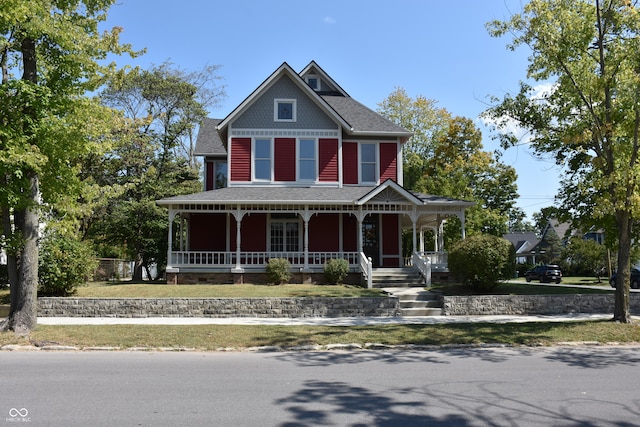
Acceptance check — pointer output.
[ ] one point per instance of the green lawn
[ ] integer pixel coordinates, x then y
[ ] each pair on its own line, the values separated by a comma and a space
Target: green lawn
212, 337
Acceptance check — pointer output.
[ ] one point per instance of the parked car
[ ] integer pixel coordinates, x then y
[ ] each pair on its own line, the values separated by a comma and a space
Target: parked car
635, 279
544, 273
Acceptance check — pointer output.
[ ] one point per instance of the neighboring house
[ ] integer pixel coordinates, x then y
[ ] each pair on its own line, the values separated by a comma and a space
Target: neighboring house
524, 243
302, 171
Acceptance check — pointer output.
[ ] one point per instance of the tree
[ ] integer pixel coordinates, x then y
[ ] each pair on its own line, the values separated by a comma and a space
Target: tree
49, 53
584, 257
587, 53
152, 160
445, 157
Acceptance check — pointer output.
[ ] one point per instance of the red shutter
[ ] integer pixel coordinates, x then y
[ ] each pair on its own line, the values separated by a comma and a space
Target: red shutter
328, 160
208, 183
390, 241
285, 159
388, 161
350, 162
240, 159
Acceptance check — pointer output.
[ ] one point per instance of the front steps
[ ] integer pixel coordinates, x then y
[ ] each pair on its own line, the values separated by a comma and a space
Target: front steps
396, 278
423, 303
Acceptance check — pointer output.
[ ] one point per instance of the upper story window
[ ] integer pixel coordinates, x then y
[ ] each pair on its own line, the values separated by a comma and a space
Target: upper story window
307, 160
285, 110
368, 163
314, 82
220, 174
262, 159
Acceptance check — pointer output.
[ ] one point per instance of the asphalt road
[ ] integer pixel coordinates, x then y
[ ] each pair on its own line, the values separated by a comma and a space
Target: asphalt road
590, 386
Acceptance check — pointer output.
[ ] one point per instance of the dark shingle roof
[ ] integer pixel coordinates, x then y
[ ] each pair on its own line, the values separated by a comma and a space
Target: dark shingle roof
209, 142
363, 119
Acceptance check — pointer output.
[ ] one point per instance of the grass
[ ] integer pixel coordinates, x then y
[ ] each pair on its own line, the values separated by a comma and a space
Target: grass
215, 337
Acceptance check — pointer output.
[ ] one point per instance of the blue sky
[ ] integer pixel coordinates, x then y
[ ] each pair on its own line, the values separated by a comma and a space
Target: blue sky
437, 49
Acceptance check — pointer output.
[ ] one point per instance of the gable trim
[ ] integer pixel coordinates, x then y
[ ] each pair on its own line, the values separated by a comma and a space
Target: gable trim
389, 184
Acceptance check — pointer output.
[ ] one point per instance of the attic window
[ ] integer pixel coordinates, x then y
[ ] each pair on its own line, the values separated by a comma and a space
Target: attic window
314, 82
285, 110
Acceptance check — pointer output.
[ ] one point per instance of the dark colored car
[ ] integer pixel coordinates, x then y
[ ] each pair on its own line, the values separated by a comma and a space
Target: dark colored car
635, 279
544, 273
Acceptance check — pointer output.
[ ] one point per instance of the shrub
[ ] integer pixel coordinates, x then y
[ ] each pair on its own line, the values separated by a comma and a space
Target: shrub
278, 271
65, 263
336, 270
481, 261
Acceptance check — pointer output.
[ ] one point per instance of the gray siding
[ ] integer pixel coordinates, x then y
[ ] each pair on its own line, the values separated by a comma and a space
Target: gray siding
260, 114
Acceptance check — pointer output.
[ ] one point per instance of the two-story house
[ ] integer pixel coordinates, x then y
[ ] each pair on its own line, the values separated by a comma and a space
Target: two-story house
302, 171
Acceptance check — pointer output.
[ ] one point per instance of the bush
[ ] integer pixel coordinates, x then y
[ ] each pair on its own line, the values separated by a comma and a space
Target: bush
481, 261
336, 270
65, 264
278, 271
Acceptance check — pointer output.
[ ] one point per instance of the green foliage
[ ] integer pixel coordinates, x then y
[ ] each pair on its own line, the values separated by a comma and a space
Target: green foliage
481, 261
445, 157
65, 264
278, 271
584, 258
336, 270
584, 113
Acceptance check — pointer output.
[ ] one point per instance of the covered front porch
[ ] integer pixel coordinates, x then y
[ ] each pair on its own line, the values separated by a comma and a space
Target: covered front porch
214, 239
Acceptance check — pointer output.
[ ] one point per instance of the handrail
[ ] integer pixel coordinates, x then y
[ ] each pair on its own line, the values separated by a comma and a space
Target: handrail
423, 264
366, 266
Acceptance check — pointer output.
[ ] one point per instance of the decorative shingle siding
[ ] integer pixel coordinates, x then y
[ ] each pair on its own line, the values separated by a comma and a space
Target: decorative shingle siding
260, 114
241, 159
388, 161
328, 160
285, 159
350, 162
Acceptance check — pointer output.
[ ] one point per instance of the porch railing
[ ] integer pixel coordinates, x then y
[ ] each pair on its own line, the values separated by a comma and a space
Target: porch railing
366, 267
423, 264
439, 260
257, 259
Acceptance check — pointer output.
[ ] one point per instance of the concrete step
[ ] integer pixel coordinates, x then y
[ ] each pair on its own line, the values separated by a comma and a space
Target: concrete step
412, 312
396, 277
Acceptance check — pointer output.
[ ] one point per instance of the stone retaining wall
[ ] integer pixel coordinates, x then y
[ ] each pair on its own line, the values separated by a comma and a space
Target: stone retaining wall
533, 304
219, 307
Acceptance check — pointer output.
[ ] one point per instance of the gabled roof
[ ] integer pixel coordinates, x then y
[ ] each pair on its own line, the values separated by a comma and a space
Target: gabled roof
314, 68
284, 69
390, 190
354, 118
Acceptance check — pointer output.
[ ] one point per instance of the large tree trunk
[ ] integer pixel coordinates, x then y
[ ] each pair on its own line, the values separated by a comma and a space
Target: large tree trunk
621, 310
23, 310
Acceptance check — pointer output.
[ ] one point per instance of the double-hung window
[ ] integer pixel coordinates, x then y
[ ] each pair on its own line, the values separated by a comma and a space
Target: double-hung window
307, 160
368, 163
262, 159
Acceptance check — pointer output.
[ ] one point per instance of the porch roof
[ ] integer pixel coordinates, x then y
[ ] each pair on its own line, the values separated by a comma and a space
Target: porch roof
348, 195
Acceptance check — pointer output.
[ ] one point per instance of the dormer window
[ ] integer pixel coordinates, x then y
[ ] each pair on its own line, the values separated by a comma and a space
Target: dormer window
314, 82
285, 110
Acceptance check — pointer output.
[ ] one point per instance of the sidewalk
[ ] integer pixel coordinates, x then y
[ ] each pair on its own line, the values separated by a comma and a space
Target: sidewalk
317, 321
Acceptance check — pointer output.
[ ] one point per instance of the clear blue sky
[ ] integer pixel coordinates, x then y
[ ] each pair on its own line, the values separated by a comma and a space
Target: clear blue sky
437, 49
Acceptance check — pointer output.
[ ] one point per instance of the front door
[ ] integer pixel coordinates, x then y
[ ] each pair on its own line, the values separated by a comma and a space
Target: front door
371, 238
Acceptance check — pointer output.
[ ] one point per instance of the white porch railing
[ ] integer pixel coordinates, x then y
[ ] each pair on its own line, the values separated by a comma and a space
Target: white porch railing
366, 267
439, 260
257, 259
423, 264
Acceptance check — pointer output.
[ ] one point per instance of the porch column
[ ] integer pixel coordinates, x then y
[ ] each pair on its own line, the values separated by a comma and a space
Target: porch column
360, 215
440, 234
414, 219
172, 215
421, 239
238, 215
462, 221
306, 217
